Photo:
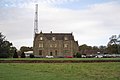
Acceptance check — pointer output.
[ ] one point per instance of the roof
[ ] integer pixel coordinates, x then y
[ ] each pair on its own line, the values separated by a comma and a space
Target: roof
58, 36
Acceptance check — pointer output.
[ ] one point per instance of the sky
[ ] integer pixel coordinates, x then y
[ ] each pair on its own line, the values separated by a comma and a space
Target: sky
92, 22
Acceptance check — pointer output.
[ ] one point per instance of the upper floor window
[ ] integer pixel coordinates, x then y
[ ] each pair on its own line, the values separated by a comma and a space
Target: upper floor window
65, 45
41, 38
40, 45
53, 38
55, 45
51, 45
65, 38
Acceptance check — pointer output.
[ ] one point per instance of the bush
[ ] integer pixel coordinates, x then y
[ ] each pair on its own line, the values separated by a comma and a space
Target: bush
78, 55
4, 55
15, 55
23, 55
31, 56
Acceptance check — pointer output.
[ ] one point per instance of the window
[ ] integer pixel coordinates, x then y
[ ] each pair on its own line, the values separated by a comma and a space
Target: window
51, 54
65, 38
51, 45
65, 45
55, 45
40, 52
56, 52
40, 45
53, 38
41, 38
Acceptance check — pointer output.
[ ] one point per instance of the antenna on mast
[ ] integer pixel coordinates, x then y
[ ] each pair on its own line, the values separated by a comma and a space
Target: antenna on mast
36, 20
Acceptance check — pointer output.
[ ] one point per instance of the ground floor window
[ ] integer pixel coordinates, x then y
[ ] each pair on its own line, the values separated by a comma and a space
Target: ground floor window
40, 52
56, 52
51, 54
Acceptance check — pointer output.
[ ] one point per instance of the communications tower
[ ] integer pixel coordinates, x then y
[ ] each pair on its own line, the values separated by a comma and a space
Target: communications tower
36, 20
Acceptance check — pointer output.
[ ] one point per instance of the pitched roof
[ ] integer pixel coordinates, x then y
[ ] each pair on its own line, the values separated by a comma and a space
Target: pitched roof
58, 36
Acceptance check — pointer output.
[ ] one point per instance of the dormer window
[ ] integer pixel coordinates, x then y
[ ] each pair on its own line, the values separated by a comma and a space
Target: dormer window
65, 38
53, 38
41, 38
40, 45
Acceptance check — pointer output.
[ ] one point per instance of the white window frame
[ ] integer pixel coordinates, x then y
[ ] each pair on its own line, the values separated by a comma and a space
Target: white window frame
65, 45
41, 38
53, 38
41, 45
51, 45
65, 38
55, 45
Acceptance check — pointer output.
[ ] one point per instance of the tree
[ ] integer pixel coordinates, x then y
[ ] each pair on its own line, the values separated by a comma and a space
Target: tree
83, 48
5, 47
102, 49
24, 49
23, 55
113, 49
15, 54
114, 44
78, 55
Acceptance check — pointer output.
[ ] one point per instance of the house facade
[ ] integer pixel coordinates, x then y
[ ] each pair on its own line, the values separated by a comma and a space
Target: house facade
54, 44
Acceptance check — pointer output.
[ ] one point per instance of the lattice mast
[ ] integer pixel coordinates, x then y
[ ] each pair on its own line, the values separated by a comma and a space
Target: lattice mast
36, 20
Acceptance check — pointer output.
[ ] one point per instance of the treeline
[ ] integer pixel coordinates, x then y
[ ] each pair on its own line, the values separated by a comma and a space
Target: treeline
110, 49
8, 50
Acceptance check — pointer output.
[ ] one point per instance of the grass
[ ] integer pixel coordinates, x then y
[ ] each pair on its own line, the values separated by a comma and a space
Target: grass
60, 71
59, 58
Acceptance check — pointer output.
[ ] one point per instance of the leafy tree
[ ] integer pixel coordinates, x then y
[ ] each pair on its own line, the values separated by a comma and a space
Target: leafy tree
5, 47
78, 55
24, 49
15, 54
113, 49
83, 48
103, 49
23, 55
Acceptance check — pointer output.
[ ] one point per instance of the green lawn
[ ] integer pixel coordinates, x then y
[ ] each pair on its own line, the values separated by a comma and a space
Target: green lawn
59, 58
60, 71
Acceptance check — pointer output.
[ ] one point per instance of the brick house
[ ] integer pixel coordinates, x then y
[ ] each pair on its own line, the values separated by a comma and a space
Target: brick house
54, 44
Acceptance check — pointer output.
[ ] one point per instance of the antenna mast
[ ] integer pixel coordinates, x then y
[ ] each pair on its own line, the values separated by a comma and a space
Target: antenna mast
36, 20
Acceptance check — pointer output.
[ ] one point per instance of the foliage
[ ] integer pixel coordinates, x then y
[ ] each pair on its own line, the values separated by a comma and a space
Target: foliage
15, 54
31, 56
85, 49
24, 49
6, 48
83, 71
113, 49
78, 55
4, 55
23, 55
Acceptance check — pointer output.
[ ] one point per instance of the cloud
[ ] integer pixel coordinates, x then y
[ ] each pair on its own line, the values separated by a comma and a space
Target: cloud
92, 25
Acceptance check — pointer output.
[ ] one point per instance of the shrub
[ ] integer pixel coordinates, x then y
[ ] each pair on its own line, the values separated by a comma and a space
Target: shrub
78, 55
23, 55
4, 55
15, 55
31, 56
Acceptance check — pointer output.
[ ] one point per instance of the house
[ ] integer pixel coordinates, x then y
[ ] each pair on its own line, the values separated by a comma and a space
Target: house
54, 44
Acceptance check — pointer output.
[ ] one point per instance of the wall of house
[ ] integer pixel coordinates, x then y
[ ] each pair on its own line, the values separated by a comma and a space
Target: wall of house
56, 48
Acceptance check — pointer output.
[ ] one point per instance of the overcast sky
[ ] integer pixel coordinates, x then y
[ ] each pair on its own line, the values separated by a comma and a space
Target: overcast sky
91, 21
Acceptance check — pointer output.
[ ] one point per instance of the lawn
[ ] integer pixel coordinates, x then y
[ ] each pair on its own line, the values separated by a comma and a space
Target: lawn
59, 58
60, 71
